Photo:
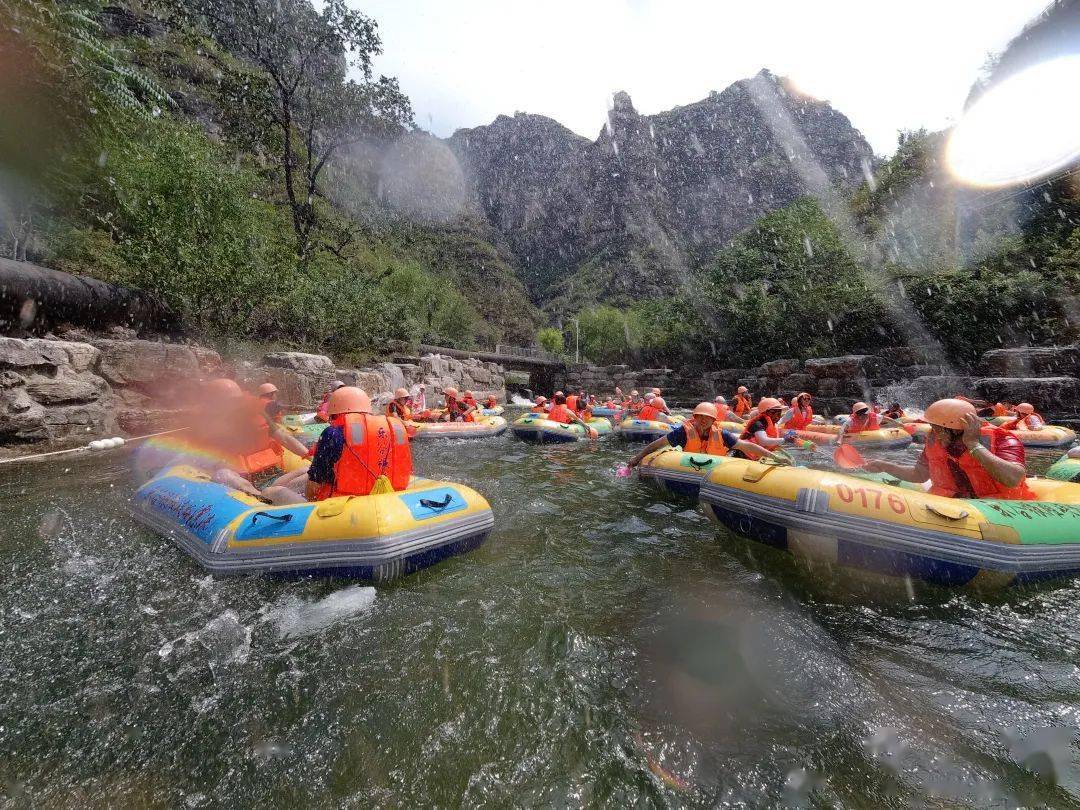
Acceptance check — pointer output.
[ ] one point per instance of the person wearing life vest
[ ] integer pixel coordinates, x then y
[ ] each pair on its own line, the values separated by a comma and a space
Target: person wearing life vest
654, 410
635, 404
491, 403
320, 412
1025, 419
801, 414
999, 409
563, 415
743, 402
894, 411
863, 419
401, 405
358, 449
702, 433
455, 409
540, 406
267, 393
238, 443
761, 426
469, 400
957, 460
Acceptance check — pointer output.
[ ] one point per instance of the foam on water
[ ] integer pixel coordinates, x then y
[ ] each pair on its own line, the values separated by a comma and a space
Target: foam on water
295, 617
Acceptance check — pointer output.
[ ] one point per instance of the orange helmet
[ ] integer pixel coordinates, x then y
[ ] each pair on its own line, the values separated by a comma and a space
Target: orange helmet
656, 392
541, 400
1024, 408
719, 400
859, 406
223, 388
348, 399
401, 393
267, 388
769, 404
705, 409
658, 402
948, 413
635, 394
469, 395
743, 390
451, 392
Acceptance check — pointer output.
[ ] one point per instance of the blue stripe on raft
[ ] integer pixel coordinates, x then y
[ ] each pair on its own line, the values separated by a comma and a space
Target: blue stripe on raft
680, 487
433, 502
288, 522
901, 563
202, 507
764, 532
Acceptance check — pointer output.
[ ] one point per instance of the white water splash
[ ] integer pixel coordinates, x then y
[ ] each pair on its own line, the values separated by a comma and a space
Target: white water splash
295, 618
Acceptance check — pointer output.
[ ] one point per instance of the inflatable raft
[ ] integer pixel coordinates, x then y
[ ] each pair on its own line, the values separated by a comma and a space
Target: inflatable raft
374, 537
644, 430
534, 428
498, 410
482, 428
879, 527
1065, 469
677, 471
1049, 436
607, 413
885, 438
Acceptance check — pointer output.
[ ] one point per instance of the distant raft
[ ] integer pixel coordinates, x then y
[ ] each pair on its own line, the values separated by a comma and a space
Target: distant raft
607, 413
885, 438
372, 537
875, 525
498, 410
483, 428
1065, 469
645, 430
534, 428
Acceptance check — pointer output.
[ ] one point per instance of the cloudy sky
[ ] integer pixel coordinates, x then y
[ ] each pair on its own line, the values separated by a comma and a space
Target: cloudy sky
887, 65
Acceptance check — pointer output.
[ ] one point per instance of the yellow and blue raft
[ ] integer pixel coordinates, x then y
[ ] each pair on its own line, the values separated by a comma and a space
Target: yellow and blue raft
874, 524
372, 537
534, 428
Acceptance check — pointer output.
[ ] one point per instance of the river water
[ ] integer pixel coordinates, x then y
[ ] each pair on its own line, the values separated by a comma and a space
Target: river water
606, 647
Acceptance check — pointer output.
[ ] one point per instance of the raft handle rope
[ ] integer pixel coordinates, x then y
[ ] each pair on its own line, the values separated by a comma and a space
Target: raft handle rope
438, 506
699, 465
283, 518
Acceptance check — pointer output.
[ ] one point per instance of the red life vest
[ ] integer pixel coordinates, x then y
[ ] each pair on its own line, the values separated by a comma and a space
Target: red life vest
762, 422
250, 431
649, 414
559, 413
402, 412
800, 418
861, 425
1030, 422
742, 404
943, 477
374, 446
713, 446
457, 411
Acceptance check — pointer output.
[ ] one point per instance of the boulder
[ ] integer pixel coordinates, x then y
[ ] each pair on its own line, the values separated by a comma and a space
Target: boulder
34, 354
81, 356
160, 370
1033, 361
301, 362
907, 356
297, 389
797, 383
1056, 395
434, 365
846, 367
67, 387
845, 388
779, 368
21, 418
81, 422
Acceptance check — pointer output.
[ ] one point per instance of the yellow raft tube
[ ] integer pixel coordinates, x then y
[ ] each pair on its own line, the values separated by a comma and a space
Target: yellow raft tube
872, 524
886, 438
645, 430
372, 537
483, 428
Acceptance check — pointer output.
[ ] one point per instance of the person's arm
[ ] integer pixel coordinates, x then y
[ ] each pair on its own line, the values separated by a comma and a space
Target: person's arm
842, 433
651, 447
785, 418
734, 417
288, 441
1004, 471
765, 440
755, 451
887, 421
914, 474
327, 452
223, 475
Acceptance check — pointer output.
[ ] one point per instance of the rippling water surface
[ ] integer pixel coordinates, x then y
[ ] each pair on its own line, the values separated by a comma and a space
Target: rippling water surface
607, 646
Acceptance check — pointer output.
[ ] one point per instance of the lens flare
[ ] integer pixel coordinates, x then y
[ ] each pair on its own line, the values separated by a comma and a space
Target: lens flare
1023, 129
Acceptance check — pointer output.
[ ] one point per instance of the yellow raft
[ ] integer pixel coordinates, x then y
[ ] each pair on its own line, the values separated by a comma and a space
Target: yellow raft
534, 428
373, 537
484, 427
645, 430
873, 524
885, 438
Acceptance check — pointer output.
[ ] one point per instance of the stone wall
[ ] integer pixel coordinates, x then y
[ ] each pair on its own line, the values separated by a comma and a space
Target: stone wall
67, 392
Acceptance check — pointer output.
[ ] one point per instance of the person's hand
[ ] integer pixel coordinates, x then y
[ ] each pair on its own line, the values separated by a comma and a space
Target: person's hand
972, 430
790, 436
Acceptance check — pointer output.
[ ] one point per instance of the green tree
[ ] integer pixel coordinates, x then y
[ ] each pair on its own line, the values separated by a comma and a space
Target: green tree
551, 340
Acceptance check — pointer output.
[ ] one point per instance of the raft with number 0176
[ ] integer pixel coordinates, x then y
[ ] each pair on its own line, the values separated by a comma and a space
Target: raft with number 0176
370, 537
875, 525
534, 428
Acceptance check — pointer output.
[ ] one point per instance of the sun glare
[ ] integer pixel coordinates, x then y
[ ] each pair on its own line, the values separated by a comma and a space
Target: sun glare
1025, 128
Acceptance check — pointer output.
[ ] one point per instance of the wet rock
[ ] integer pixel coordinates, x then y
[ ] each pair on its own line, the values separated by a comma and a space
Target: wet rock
160, 370
1060, 395
21, 418
848, 366
779, 368
79, 422
32, 354
67, 387
1041, 361
796, 383
300, 362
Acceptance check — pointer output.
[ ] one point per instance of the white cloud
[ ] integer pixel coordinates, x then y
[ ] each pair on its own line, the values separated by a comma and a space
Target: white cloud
886, 65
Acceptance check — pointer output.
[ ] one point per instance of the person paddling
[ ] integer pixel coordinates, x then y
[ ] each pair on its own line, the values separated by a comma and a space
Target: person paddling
958, 464
703, 434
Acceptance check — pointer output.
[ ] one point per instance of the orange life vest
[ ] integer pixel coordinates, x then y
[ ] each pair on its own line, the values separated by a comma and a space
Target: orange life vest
1000, 410
742, 404
263, 452
457, 410
649, 413
860, 425
572, 403
491, 403
983, 485
713, 446
559, 413
1025, 423
374, 446
749, 433
539, 409
402, 412
800, 418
